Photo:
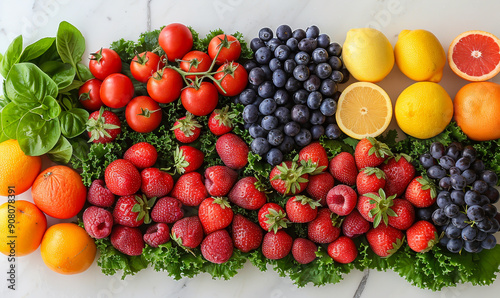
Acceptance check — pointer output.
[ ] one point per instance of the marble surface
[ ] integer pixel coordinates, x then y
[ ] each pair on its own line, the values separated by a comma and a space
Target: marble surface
102, 22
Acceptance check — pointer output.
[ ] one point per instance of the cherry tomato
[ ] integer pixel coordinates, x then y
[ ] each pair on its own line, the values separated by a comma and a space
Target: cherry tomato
234, 78
201, 101
231, 53
176, 40
104, 62
195, 61
143, 114
116, 90
144, 65
89, 95
165, 85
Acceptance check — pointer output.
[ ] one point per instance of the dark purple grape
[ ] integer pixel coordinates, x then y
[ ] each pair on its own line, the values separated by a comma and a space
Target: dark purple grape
489, 242
260, 146
424, 213
443, 200
445, 183
453, 152
463, 163
437, 150
458, 182
452, 210
495, 226
483, 200
492, 194
436, 172
446, 162
457, 197
490, 210
481, 235
471, 198
455, 245
478, 166
475, 213
460, 221
469, 152
470, 176
439, 217
452, 232
480, 186
427, 160
469, 233
490, 177
472, 246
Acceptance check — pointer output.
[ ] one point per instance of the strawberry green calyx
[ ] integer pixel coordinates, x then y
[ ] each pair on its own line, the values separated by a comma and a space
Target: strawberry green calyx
395, 246
224, 117
98, 127
276, 220
292, 176
382, 209
428, 184
378, 148
222, 202
178, 240
337, 220
432, 242
374, 171
143, 207
398, 156
307, 201
180, 162
311, 167
187, 125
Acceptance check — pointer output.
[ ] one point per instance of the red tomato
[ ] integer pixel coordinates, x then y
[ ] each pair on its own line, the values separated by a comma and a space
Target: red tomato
234, 78
144, 65
229, 52
116, 90
89, 95
195, 61
104, 62
176, 40
201, 101
143, 114
165, 85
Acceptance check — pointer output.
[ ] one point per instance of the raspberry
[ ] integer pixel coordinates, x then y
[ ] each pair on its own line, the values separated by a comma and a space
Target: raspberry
127, 240
98, 222
157, 234
100, 196
167, 210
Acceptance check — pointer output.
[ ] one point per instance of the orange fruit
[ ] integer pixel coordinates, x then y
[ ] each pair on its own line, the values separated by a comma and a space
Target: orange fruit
477, 110
475, 55
17, 169
59, 192
22, 226
67, 249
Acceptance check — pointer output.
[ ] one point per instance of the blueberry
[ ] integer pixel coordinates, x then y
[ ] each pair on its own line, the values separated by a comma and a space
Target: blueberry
317, 118
273, 43
317, 131
250, 114
283, 115
492, 194
472, 198
436, 172
307, 44
300, 114
256, 44
269, 122
303, 138
453, 232
247, 96
282, 52
455, 245
475, 213
281, 96
332, 131
275, 137
256, 131
249, 65
334, 49
267, 106
313, 83
291, 128
446, 162
439, 217
301, 73
489, 243
302, 58
260, 146
300, 96
293, 44
427, 160
312, 31
346, 74
470, 176
490, 177
330, 120
314, 100
289, 65
328, 87
287, 144
319, 55
337, 76
424, 213
267, 71
257, 101
279, 78
457, 197
299, 34
452, 210
323, 40
256, 76
437, 150
480, 186
328, 107
265, 34
274, 156
292, 84
263, 55
266, 89
283, 32
275, 64
323, 70
335, 62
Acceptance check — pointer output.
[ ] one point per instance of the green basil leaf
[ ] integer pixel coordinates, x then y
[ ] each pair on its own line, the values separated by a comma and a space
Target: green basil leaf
3, 136
76, 84
62, 151
26, 84
50, 55
81, 147
49, 109
37, 136
62, 74
37, 49
73, 122
11, 115
1, 58
11, 56
70, 43
84, 72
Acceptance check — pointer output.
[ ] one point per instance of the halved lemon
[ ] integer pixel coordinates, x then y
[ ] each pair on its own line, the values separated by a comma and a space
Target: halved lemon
363, 110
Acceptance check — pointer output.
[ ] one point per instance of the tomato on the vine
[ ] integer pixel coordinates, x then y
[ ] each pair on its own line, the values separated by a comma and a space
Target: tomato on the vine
116, 90
176, 40
165, 85
201, 101
195, 61
231, 48
143, 114
234, 78
89, 95
104, 62
143, 66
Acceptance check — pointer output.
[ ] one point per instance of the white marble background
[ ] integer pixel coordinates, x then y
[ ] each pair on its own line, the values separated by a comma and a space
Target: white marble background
102, 22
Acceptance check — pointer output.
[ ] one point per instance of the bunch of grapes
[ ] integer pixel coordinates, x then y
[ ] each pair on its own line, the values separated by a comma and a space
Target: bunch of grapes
465, 210
291, 98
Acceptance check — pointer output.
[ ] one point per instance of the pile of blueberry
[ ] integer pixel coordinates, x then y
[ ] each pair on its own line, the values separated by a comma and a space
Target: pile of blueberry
292, 94
465, 210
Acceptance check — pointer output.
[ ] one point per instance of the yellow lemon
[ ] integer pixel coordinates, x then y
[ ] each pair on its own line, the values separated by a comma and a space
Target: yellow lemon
363, 110
420, 55
368, 54
423, 110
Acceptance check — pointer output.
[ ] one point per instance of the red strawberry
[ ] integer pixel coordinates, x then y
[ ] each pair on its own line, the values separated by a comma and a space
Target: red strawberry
122, 177
221, 121
384, 240
370, 180
103, 126
142, 155
405, 214
100, 196
272, 217
343, 168
375, 207
157, 234
370, 153
167, 210
132, 211
248, 193
217, 247
247, 235
127, 240
188, 232
277, 245
290, 178
398, 173
341, 199
98, 222
301, 209
156, 183
316, 154
422, 236
325, 227
354, 224
215, 214
232, 150
421, 192
304, 250
189, 189
219, 180
343, 250
319, 185
187, 159
186, 129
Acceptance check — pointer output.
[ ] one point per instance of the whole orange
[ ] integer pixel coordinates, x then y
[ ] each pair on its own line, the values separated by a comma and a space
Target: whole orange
67, 249
477, 110
59, 192
22, 226
17, 170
